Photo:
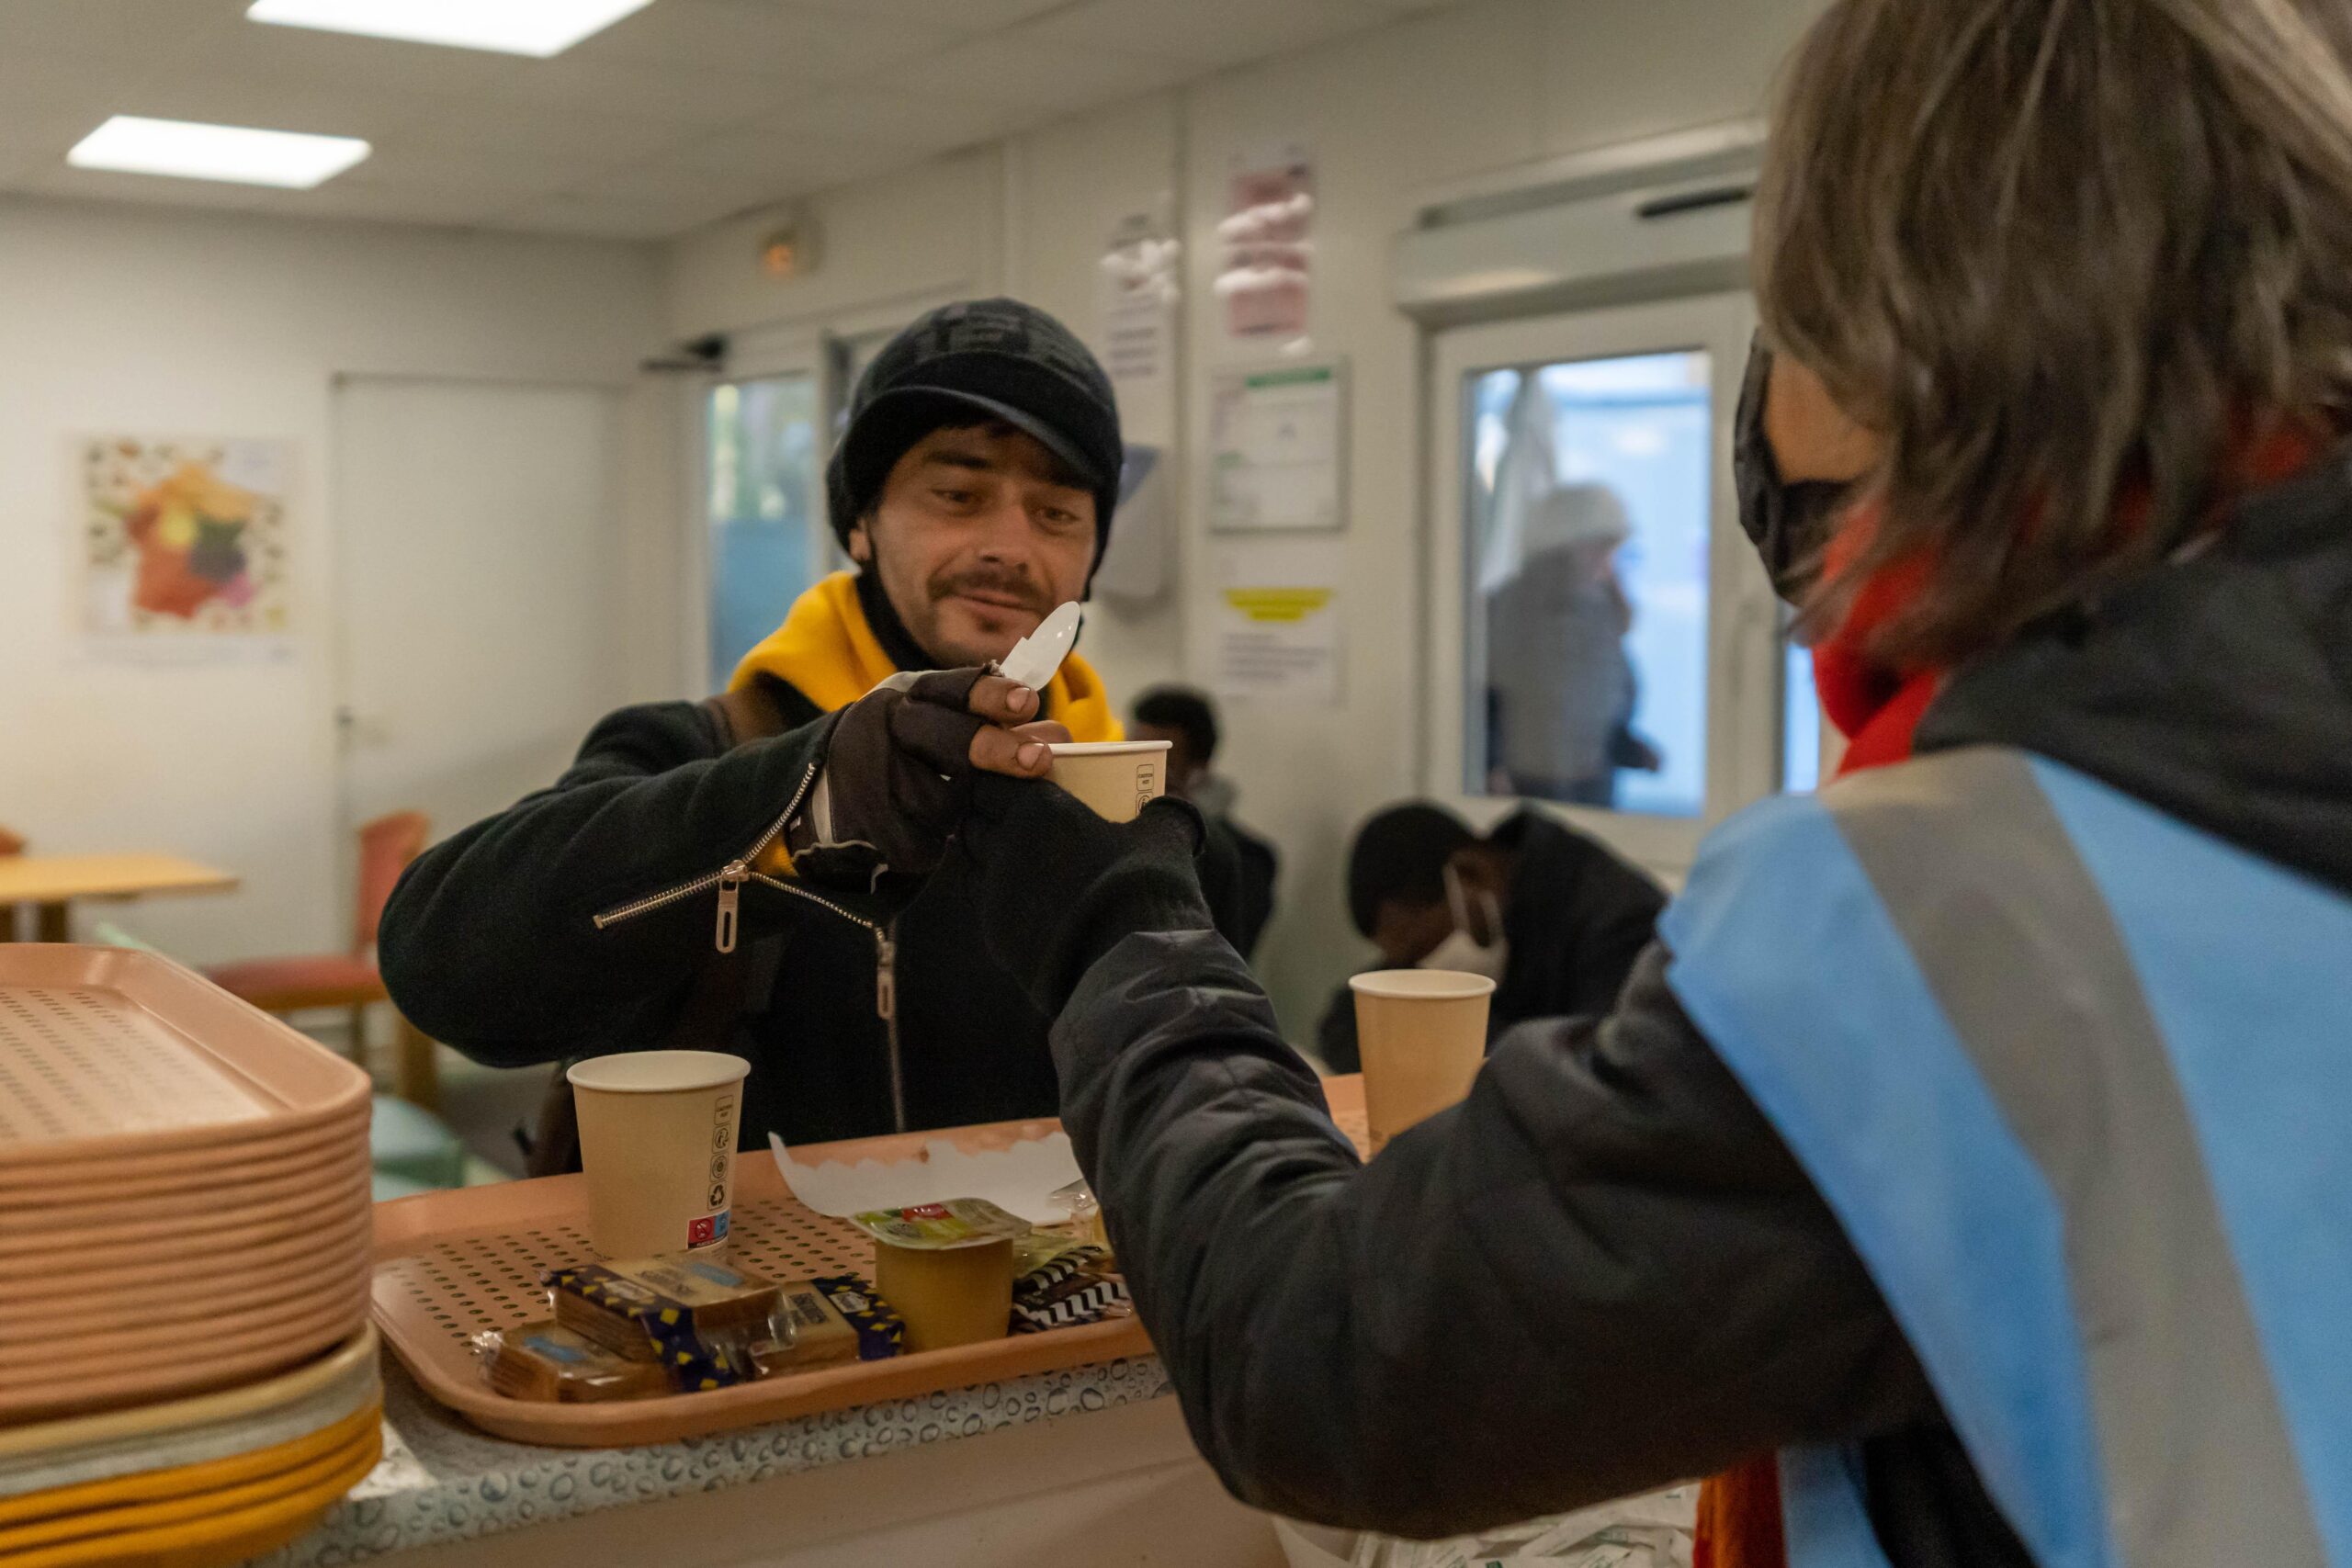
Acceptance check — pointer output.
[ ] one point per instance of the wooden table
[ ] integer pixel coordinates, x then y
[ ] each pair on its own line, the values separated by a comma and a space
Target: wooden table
53, 884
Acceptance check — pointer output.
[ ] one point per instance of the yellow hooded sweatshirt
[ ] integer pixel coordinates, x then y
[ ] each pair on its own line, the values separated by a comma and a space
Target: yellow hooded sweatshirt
826, 651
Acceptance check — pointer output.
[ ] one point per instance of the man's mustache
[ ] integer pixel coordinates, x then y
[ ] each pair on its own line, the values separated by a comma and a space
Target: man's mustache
1015, 586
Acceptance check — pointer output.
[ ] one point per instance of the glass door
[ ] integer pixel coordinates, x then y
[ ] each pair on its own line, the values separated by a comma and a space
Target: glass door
764, 539
1604, 640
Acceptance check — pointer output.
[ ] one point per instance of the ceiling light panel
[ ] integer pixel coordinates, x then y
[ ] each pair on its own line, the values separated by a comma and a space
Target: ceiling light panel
289, 159
536, 27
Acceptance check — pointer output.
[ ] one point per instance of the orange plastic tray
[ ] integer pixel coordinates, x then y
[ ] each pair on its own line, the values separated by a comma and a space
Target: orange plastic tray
108, 1054
450, 1265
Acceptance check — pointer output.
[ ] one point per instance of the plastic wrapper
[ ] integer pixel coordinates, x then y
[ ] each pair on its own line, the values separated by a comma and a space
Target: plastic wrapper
1062, 1286
950, 1226
547, 1362
1084, 1225
880, 1332
1654, 1531
819, 1334
703, 1323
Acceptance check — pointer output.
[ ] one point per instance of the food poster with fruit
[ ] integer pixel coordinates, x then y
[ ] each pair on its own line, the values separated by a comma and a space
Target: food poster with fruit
183, 546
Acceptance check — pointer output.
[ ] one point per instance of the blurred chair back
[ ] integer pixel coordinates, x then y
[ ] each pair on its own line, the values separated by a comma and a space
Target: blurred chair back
9, 845
387, 845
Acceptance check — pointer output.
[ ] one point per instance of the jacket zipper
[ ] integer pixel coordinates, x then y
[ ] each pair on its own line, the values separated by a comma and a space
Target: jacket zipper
730, 880
886, 1004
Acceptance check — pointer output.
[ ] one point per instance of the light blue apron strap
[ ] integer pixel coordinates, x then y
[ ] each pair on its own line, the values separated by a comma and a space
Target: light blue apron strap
1824, 1511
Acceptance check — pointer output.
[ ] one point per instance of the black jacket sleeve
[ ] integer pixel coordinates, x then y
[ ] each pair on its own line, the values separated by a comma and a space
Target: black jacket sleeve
1335, 1037
1220, 871
1601, 1273
491, 941
1620, 923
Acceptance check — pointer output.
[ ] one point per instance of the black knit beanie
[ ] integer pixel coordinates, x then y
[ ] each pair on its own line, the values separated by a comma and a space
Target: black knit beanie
996, 359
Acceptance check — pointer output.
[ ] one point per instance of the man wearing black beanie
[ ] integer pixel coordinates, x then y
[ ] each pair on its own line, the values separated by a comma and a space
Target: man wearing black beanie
766, 873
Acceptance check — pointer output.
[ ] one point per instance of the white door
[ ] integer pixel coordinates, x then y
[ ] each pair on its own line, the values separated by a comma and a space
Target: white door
1603, 638
478, 567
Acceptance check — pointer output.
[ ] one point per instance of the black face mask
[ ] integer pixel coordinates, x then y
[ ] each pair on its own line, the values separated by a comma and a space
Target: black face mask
1788, 524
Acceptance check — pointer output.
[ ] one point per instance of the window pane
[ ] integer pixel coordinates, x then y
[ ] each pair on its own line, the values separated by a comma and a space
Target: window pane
1800, 724
763, 462
1590, 490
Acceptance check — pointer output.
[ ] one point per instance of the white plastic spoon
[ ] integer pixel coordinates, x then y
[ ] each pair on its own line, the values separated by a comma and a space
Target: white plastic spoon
1035, 657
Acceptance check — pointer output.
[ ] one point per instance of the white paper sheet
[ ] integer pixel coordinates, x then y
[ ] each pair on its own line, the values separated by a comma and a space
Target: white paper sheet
1277, 636
1021, 1179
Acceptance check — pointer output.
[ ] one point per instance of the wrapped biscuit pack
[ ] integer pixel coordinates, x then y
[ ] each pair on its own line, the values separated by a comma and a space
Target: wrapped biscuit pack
1060, 1286
550, 1363
702, 1321
881, 1333
683, 1324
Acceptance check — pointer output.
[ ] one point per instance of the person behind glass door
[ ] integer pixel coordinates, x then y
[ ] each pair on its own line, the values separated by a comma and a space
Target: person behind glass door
1561, 682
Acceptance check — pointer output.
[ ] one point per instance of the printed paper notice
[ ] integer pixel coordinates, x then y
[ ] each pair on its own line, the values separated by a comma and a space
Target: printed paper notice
1275, 448
1268, 232
1277, 636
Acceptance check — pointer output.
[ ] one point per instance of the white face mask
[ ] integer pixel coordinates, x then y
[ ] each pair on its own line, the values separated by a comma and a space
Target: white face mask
1214, 796
1462, 951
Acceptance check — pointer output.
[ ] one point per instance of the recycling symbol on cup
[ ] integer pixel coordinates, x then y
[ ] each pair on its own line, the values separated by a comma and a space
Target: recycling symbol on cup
718, 1194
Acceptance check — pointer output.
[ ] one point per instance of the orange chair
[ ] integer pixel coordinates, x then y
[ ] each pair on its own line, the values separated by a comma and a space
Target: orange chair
350, 980
10, 844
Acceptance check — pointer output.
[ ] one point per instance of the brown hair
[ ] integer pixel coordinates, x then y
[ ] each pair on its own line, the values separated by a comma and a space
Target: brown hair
2049, 249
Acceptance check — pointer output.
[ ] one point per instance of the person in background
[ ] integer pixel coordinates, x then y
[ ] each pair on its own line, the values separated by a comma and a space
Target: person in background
753, 873
1972, 1140
1561, 682
1548, 913
1237, 867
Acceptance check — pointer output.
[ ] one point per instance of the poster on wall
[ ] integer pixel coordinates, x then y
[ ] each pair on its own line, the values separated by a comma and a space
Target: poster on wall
1276, 461
182, 548
1140, 289
1277, 631
1264, 279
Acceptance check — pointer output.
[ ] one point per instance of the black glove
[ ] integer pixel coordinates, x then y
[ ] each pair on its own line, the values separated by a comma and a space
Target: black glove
898, 777
1060, 886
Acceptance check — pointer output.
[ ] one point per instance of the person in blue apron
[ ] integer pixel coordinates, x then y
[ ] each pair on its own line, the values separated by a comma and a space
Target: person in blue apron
1977, 1137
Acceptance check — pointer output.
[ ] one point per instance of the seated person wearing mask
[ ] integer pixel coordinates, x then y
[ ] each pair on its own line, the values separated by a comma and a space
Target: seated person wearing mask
1238, 868
1973, 1139
1547, 913
740, 874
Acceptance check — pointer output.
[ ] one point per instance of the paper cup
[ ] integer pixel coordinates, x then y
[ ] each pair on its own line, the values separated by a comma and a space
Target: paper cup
1423, 1034
1117, 778
656, 1136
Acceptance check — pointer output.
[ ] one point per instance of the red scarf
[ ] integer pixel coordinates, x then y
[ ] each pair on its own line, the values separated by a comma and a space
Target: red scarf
1878, 708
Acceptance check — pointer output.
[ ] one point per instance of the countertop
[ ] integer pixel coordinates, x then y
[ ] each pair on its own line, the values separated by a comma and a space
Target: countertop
441, 1480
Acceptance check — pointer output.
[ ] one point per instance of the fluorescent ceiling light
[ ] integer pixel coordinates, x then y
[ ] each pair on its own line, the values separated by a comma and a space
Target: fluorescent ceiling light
537, 28
288, 158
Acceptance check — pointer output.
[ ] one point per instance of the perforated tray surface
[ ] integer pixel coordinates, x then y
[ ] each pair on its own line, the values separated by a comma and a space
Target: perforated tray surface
451, 1265
77, 1064
107, 1054
471, 1283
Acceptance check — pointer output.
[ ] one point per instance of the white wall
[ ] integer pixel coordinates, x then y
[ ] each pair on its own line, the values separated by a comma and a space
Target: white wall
145, 321
1068, 189
901, 240
1454, 91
